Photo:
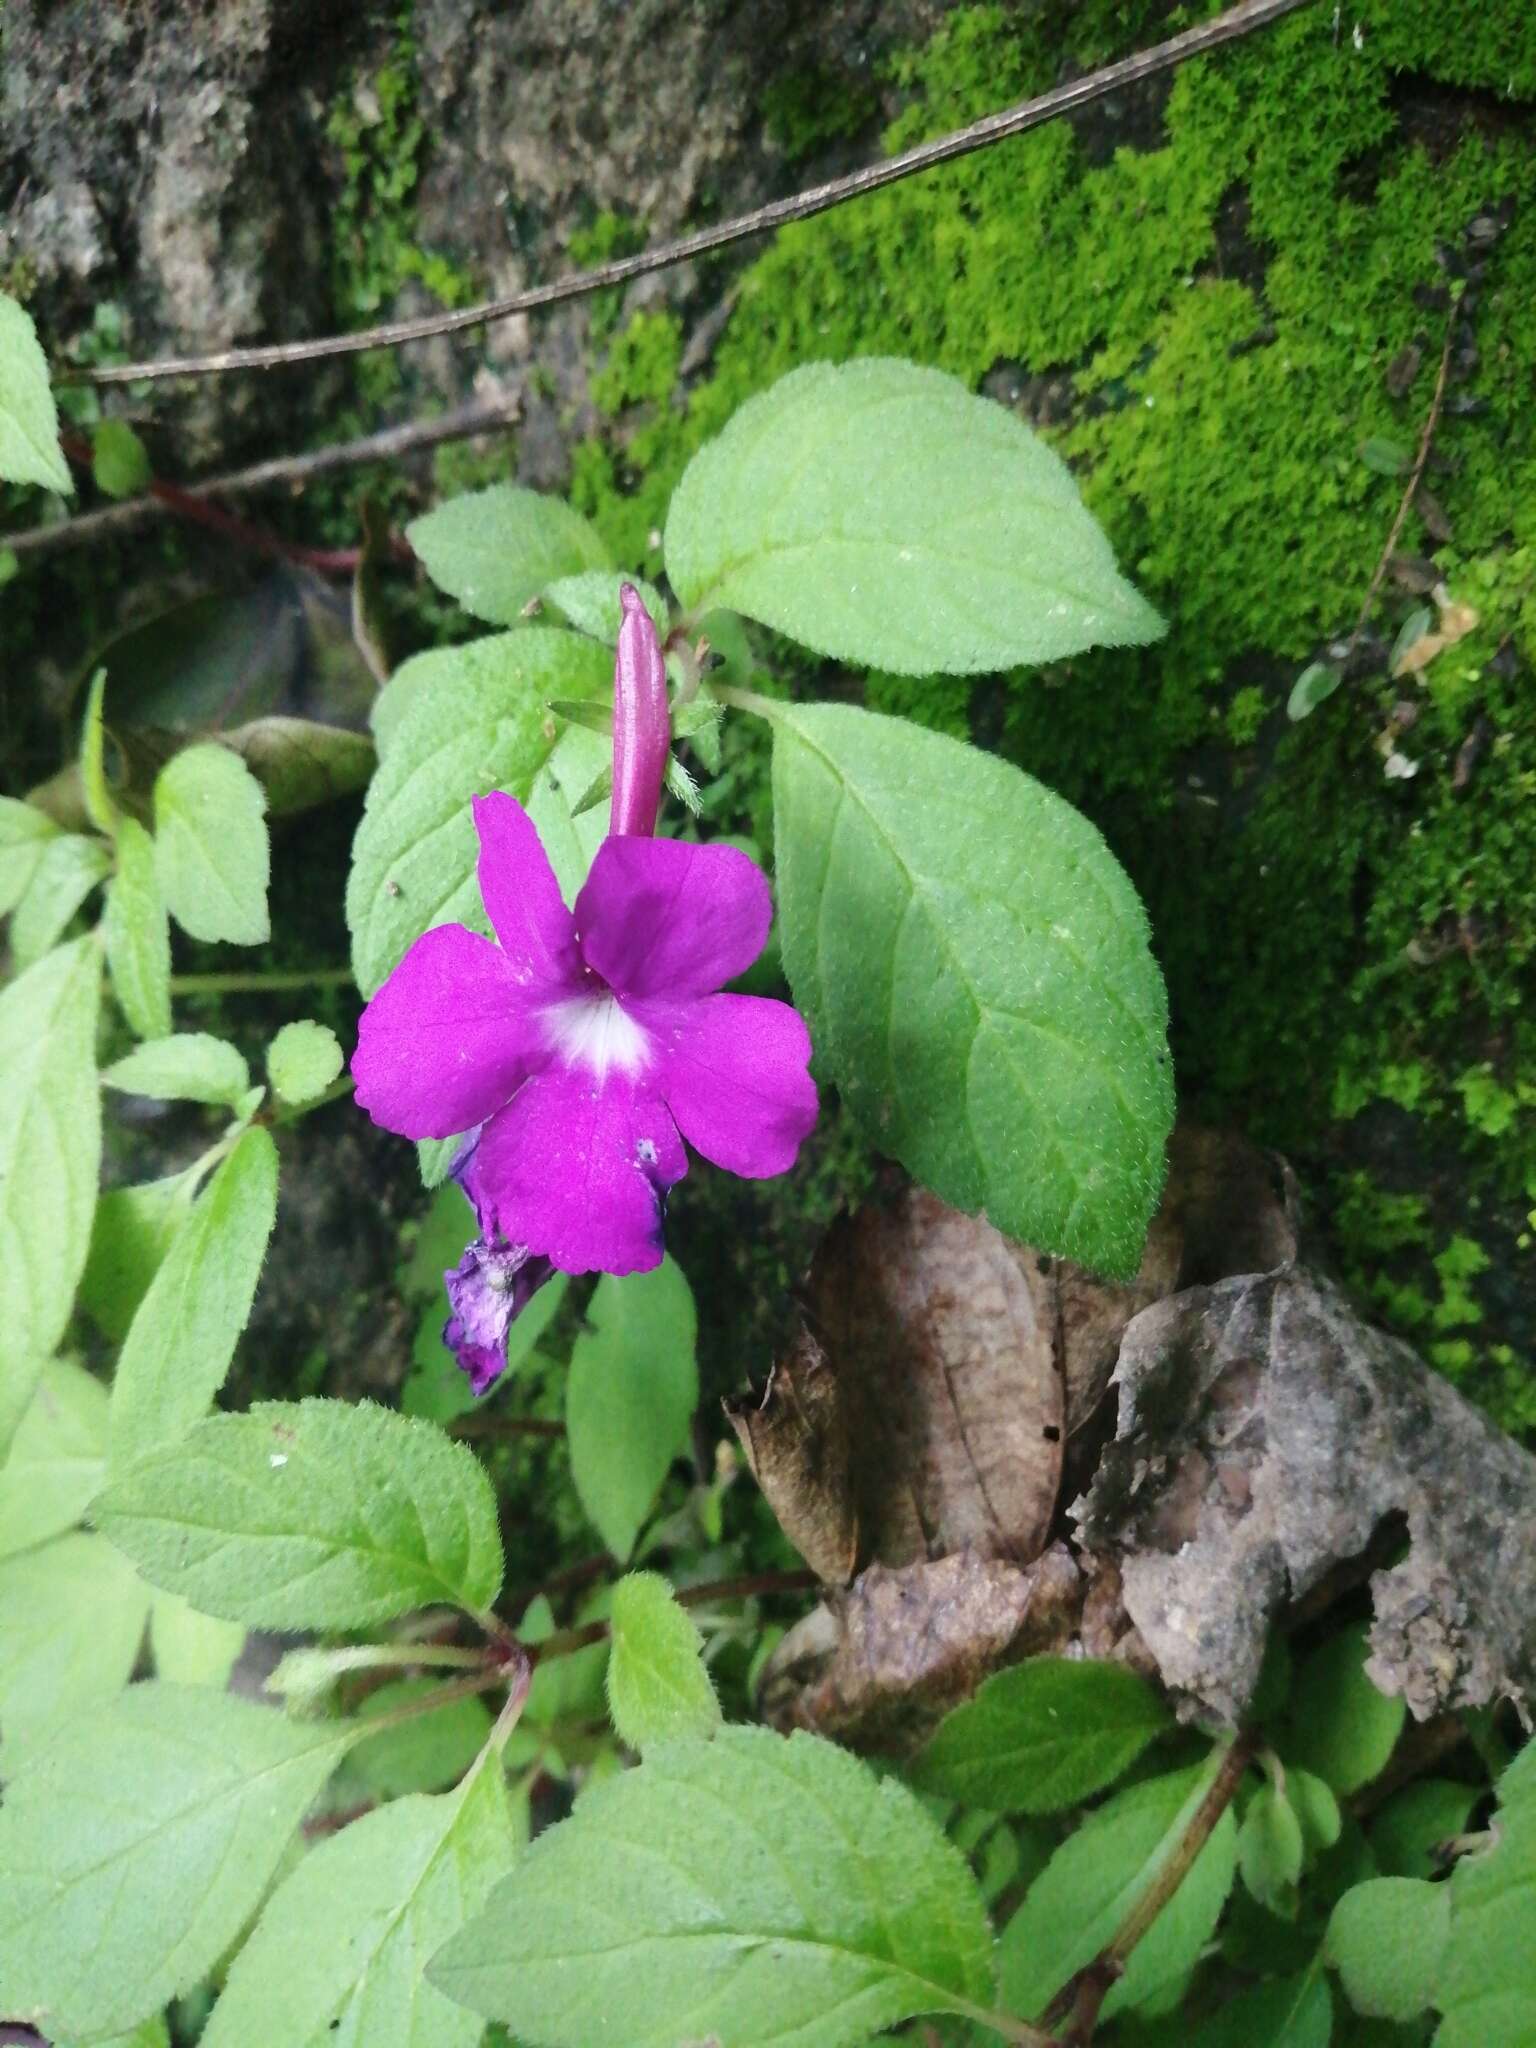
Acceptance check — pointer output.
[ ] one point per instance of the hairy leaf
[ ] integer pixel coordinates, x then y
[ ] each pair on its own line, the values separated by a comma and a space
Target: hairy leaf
1085, 1892
341, 1947
1270, 1847
476, 722
658, 1687
1287, 2012
745, 1889
72, 1616
1043, 1735
632, 1389
878, 512
187, 1066
191, 1648
495, 549
1409, 1828
1386, 1938
24, 832
133, 1229
311, 1514
138, 934
137, 1845
29, 421
50, 1151
211, 851
1339, 1726
69, 868
590, 602
1484, 1986
56, 1459
183, 1336
303, 1060
1004, 1038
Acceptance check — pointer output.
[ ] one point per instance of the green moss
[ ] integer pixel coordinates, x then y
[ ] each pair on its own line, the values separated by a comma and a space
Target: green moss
1215, 311
805, 108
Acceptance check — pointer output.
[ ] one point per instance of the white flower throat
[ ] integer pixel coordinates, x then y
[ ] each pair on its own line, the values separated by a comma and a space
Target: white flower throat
595, 1032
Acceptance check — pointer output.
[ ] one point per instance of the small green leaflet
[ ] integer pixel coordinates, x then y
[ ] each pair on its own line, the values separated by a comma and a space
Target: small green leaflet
137, 1845
119, 462
632, 1390
1386, 1939
1484, 1987
311, 1514
211, 851
340, 1950
1005, 1039
878, 512
50, 1152
72, 1616
658, 1687
138, 935
1085, 1892
1315, 685
1042, 1735
29, 421
1270, 1847
472, 725
496, 549
303, 1060
24, 832
183, 1335
746, 1889
187, 1066
1339, 1726
56, 1459
69, 868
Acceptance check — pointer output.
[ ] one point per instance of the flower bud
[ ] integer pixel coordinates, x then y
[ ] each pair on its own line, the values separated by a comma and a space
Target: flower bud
642, 722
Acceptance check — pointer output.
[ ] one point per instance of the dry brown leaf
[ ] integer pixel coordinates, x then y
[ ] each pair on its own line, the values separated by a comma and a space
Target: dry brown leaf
1266, 1434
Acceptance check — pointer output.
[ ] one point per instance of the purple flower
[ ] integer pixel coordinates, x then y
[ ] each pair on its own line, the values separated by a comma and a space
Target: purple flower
487, 1291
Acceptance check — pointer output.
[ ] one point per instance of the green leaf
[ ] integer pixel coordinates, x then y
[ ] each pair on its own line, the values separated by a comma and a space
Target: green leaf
1410, 1826
211, 851
138, 935
72, 1616
1084, 1894
29, 422
1315, 685
631, 1393
24, 832
1043, 1735
658, 1687
119, 460
1270, 1847
1385, 456
183, 1336
1289, 2012
68, 869
303, 1060
134, 1228
1386, 1939
311, 1514
1339, 1726
188, 1066
745, 1889
56, 1459
339, 1953
137, 1845
427, 1753
300, 762
1484, 1990
997, 1024
877, 512
472, 725
590, 603
1316, 1808
495, 549
94, 787
191, 1648
50, 1151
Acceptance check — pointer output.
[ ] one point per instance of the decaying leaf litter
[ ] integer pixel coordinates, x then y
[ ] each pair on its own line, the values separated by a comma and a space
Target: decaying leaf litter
986, 1454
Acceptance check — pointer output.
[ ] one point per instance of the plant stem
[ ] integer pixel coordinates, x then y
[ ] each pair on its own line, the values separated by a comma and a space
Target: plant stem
745, 700
290, 1113
259, 982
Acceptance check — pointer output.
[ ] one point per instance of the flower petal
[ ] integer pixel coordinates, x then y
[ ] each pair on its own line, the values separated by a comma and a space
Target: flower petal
734, 1073
487, 1291
577, 1168
521, 896
659, 917
447, 1039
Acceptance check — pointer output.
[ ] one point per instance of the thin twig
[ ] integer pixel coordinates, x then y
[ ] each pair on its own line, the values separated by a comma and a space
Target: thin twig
1416, 477
1063, 99
261, 983
291, 470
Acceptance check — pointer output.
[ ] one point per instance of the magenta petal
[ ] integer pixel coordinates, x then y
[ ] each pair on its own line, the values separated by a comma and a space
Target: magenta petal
576, 1168
659, 917
521, 896
734, 1072
447, 1039
487, 1291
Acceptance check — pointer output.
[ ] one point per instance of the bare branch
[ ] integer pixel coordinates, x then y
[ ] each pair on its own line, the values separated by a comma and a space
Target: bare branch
1063, 99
